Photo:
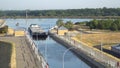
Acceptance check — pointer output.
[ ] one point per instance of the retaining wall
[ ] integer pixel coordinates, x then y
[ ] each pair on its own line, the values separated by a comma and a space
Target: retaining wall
93, 55
36, 51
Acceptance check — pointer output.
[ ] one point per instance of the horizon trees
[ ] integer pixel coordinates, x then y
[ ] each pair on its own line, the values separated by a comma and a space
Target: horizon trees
63, 13
113, 25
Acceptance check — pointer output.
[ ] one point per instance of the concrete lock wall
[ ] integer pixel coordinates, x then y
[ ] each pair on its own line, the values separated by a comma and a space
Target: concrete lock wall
103, 58
36, 51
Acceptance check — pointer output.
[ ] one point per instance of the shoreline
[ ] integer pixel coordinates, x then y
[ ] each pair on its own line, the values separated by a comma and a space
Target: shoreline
66, 17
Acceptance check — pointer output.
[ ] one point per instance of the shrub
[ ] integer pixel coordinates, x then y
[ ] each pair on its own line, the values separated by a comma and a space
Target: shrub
4, 29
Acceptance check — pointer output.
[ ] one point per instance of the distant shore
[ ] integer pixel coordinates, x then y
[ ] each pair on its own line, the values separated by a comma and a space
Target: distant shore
69, 17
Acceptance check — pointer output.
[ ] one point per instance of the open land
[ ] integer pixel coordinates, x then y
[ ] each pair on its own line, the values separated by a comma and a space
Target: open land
106, 39
97, 39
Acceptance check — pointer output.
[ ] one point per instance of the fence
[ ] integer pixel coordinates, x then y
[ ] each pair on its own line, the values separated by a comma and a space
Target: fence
101, 57
36, 51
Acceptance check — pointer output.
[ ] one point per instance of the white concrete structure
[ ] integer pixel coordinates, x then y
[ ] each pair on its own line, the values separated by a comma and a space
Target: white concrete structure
2, 23
116, 48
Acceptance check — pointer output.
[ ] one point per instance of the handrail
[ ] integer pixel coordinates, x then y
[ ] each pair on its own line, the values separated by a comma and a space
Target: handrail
35, 49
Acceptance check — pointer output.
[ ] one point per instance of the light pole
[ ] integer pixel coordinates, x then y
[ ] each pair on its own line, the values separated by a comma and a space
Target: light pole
45, 50
26, 16
101, 45
65, 53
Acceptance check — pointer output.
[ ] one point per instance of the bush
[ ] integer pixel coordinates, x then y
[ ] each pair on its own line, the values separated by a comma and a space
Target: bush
113, 25
4, 29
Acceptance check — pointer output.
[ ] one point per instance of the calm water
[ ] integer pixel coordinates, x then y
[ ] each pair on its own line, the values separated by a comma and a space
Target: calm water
50, 49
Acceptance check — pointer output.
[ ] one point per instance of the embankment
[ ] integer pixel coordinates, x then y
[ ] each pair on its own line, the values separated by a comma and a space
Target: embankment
81, 54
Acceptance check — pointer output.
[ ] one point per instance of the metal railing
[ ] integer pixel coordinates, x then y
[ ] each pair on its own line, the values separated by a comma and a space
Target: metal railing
36, 51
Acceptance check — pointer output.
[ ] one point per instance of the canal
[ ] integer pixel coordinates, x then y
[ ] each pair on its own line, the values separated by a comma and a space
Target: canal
50, 49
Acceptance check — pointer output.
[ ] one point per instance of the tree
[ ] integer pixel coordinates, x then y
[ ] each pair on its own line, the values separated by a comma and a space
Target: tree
114, 27
4, 29
95, 24
117, 22
69, 25
60, 23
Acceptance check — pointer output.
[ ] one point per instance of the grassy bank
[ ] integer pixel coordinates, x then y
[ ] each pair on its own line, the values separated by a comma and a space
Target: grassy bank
106, 39
96, 39
7, 52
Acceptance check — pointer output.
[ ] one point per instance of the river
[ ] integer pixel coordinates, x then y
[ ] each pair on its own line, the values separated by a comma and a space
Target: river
50, 49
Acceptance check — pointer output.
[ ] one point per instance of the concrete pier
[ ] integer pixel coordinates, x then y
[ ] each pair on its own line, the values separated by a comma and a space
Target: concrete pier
25, 57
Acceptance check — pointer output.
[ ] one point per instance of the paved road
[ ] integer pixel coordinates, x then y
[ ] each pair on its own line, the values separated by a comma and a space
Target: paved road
25, 58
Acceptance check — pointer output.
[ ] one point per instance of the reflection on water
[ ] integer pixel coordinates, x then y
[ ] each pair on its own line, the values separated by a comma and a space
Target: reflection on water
51, 50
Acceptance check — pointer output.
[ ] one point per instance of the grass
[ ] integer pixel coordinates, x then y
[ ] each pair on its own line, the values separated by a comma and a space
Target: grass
7, 55
107, 39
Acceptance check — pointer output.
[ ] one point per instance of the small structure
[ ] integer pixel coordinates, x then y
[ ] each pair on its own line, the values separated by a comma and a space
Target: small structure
2, 23
62, 30
10, 31
19, 32
116, 49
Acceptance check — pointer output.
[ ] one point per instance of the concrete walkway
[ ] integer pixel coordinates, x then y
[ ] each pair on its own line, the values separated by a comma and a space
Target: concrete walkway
25, 57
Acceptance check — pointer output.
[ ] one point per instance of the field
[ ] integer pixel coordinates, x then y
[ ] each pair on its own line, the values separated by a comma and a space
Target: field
5, 54
106, 39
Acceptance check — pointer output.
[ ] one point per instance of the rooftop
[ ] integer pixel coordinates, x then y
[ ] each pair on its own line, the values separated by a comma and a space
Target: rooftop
62, 28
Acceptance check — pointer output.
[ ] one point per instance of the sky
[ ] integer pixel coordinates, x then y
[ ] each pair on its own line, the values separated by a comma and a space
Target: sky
56, 4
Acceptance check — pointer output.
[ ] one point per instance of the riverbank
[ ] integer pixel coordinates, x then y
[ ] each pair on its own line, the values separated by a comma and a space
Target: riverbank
66, 17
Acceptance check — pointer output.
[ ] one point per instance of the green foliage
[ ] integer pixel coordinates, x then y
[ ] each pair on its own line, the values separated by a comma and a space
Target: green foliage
113, 25
4, 29
63, 13
80, 23
60, 23
69, 25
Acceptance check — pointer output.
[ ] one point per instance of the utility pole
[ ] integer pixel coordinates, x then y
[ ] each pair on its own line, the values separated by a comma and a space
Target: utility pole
26, 16
101, 45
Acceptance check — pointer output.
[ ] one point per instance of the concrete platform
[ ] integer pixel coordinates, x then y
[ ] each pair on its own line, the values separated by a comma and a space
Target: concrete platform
25, 57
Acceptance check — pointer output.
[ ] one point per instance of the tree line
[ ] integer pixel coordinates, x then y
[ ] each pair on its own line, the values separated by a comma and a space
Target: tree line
108, 24
63, 13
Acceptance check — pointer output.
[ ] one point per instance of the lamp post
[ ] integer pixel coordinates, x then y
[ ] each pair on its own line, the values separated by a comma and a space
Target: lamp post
101, 45
26, 16
65, 53
45, 51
